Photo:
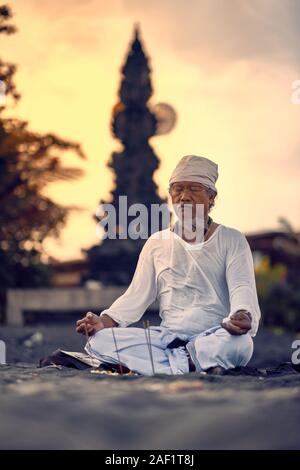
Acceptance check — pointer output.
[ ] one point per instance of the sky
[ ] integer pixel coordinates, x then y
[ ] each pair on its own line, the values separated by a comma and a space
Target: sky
225, 66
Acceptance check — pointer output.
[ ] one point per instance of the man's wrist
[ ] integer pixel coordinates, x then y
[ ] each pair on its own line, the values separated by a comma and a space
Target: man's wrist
246, 312
108, 322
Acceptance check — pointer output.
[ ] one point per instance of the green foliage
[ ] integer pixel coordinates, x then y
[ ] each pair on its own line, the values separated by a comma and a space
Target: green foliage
279, 300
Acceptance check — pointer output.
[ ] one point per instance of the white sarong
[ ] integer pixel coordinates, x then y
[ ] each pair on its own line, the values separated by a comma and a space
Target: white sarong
213, 347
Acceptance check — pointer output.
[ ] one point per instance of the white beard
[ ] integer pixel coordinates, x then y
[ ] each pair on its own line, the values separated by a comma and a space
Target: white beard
185, 224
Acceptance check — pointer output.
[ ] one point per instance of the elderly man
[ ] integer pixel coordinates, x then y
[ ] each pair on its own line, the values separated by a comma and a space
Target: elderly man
205, 288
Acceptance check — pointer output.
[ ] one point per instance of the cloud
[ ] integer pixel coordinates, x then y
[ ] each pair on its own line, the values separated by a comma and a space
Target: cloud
214, 32
225, 31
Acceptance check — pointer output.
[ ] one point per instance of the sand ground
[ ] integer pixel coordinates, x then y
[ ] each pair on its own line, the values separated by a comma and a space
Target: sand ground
69, 409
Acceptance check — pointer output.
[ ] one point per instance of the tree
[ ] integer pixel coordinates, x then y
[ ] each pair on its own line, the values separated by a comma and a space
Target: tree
28, 162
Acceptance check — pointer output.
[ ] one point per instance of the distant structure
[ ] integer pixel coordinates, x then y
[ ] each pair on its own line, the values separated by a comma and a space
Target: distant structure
134, 122
281, 246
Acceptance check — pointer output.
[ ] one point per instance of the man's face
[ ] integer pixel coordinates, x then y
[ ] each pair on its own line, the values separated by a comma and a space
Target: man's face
188, 192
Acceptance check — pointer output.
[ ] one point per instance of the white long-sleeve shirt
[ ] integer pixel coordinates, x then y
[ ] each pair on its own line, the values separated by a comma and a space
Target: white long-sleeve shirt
196, 285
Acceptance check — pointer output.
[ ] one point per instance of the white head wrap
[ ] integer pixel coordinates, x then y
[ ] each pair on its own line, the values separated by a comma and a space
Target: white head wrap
196, 169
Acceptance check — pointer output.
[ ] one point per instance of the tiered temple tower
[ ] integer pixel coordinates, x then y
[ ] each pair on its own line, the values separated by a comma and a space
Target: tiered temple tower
133, 123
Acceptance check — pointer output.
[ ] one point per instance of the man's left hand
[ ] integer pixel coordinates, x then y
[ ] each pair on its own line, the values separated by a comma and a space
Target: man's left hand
239, 323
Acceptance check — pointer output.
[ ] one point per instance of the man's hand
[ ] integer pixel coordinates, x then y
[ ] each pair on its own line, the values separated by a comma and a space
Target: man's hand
239, 323
89, 324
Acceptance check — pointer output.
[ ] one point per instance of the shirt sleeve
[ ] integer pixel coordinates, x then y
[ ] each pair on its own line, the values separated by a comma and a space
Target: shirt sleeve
142, 291
241, 280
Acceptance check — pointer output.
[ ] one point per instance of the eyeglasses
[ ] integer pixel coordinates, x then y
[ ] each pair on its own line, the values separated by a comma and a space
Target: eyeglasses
175, 189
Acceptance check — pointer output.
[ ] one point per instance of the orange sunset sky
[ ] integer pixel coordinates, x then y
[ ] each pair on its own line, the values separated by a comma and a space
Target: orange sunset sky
226, 66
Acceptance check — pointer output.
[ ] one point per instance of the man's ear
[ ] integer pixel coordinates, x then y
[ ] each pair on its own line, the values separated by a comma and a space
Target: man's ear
211, 201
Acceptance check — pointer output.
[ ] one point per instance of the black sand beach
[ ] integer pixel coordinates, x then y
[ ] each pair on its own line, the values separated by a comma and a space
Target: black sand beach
68, 409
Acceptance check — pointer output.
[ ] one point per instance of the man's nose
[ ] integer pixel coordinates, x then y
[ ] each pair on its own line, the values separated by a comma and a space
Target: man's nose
185, 196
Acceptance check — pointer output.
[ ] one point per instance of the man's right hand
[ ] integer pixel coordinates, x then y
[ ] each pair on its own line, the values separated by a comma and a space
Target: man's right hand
89, 324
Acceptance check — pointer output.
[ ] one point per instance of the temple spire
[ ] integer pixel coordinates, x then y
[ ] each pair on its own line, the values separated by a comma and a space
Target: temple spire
133, 124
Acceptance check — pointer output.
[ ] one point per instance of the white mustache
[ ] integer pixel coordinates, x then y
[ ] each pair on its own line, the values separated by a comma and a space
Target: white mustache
190, 219
188, 212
